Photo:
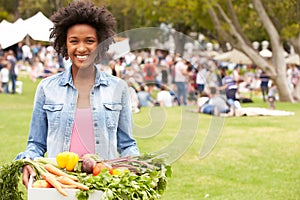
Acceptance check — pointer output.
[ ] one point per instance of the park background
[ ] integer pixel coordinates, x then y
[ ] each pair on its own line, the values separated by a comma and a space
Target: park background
236, 24
255, 157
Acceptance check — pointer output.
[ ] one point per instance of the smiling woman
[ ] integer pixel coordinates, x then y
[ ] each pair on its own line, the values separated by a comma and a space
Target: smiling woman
82, 109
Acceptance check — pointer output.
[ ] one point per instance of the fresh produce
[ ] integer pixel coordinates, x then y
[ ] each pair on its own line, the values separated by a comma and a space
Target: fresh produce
50, 178
119, 171
67, 160
41, 184
54, 170
10, 176
99, 167
139, 177
68, 181
88, 163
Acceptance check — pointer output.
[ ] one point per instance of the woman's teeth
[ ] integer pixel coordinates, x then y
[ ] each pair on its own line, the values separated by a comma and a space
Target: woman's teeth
82, 57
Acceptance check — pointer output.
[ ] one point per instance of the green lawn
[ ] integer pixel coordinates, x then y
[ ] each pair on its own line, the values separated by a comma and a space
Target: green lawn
254, 158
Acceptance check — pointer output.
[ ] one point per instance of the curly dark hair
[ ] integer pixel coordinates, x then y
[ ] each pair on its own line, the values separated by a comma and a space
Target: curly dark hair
81, 12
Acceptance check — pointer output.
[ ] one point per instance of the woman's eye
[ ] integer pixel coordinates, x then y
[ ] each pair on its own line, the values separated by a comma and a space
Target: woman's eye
91, 41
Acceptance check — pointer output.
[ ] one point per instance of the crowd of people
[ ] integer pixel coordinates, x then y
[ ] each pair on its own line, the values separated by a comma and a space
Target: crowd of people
159, 79
38, 60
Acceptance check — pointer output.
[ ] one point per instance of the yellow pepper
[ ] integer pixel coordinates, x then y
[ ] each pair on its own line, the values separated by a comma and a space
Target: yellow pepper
67, 160
72, 162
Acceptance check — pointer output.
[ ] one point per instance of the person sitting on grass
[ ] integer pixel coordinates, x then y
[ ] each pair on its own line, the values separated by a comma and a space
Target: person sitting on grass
164, 98
215, 104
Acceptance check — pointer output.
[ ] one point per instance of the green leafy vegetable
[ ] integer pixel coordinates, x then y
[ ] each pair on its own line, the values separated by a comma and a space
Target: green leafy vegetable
145, 179
139, 177
10, 177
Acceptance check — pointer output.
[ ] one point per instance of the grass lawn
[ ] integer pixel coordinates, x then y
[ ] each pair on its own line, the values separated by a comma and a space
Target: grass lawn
254, 158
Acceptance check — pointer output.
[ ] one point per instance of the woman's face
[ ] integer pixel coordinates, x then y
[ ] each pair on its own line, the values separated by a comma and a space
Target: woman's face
81, 42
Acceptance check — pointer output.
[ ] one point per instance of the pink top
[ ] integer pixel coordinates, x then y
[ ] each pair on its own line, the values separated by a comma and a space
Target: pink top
82, 139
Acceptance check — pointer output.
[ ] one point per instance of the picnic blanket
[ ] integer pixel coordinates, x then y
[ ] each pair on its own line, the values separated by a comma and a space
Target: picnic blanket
256, 111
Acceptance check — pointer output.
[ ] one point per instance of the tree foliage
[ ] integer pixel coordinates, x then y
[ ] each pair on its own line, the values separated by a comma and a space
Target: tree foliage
185, 16
239, 22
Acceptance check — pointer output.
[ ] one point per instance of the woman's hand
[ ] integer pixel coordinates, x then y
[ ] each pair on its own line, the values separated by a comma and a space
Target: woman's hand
27, 172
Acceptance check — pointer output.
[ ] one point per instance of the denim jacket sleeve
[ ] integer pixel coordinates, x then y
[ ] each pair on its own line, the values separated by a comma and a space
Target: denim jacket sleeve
126, 144
36, 146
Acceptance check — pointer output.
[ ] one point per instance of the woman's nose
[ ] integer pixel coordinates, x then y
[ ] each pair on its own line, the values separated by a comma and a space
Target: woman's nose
81, 47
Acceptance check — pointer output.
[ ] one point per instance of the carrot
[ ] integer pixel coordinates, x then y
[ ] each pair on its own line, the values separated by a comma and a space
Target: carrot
68, 186
67, 181
54, 170
51, 179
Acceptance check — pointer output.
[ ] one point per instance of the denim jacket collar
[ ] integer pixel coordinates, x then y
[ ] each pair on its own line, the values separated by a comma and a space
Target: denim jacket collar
101, 79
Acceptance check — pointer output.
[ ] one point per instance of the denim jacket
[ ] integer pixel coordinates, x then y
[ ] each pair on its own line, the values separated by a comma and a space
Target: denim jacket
54, 111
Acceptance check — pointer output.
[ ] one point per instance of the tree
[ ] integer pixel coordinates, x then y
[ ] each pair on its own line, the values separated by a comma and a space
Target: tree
226, 22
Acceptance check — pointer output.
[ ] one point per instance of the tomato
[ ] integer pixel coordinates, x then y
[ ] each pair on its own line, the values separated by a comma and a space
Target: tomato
99, 167
41, 184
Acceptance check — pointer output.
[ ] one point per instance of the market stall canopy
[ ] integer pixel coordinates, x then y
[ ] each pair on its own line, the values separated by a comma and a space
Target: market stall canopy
41, 29
234, 56
37, 27
293, 59
12, 33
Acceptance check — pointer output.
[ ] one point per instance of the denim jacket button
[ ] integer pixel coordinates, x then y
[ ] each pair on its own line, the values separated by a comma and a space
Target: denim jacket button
95, 124
94, 108
97, 142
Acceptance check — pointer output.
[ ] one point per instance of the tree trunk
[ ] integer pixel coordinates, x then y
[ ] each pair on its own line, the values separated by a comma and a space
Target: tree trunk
278, 60
284, 90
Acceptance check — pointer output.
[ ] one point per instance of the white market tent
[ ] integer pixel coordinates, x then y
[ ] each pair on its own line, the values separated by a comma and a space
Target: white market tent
234, 56
37, 27
42, 26
10, 33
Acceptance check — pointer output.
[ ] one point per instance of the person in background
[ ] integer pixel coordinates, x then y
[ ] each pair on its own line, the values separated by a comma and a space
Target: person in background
81, 109
216, 104
13, 71
201, 78
231, 88
134, 100
144, 97
221, 73
164, 98
271, 95
181, 80
149, 74
4, 76
164, 72
264, 85
19, 51
1, 61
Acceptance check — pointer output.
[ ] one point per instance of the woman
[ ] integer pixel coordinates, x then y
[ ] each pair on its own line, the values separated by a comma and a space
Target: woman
82, 109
